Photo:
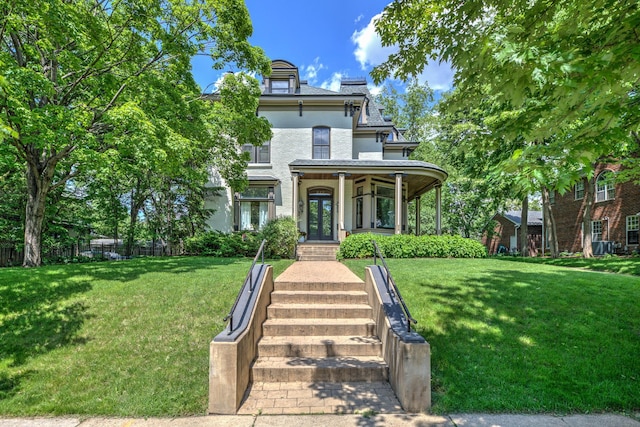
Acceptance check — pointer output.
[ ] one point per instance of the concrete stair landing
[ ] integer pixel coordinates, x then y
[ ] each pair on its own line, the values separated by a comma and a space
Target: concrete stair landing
317, 251
319, 352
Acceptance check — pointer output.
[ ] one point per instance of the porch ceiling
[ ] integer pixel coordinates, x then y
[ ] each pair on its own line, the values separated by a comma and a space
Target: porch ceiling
420, 177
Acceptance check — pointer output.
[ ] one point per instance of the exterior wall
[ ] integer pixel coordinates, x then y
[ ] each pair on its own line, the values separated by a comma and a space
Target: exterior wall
366, 147
292, 139
222, 218
568, 215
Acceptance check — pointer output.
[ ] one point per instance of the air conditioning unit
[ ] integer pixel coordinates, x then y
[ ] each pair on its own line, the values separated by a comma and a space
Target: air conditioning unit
602, 247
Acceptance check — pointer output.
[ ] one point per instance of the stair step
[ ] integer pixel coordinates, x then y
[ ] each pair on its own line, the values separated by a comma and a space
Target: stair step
321, 311
320, 297
316, 258
318, 286
322, 327
319, 346
334, 369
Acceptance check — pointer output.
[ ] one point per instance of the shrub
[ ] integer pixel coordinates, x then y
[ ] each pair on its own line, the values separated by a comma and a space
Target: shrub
410, 246
220, 244
282, 235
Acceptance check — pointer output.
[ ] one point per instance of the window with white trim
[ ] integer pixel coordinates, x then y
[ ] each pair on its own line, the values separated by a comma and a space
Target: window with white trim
605, 186
579, 190
633, 226
596, 231
258, 154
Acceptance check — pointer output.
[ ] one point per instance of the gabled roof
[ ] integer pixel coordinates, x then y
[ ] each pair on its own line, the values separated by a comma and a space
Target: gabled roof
533, 217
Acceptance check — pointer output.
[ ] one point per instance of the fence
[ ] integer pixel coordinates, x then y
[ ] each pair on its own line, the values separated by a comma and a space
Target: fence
9, 256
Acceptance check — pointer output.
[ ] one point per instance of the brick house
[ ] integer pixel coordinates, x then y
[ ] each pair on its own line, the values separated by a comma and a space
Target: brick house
505, 237
615, 214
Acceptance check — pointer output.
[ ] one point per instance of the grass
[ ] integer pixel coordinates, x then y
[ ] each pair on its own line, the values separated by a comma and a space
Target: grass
509, 337
123, 338
613, 264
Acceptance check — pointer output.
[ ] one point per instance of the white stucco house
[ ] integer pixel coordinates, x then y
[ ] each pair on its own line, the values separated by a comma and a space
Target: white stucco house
335, 164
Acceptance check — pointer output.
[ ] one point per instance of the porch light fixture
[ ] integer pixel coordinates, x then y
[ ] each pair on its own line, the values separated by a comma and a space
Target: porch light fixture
301, 206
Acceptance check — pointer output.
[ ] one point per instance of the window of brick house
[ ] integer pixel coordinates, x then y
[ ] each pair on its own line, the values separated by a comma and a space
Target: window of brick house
605, 186
579, 190
596, 231
633, 226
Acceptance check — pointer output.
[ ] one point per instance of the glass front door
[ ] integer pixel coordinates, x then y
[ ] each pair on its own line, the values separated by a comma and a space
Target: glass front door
320, 217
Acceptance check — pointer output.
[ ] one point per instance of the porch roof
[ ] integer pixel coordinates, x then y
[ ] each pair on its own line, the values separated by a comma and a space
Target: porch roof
419, 176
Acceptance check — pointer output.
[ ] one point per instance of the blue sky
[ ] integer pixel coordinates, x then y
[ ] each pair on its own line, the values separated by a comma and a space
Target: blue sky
327, 40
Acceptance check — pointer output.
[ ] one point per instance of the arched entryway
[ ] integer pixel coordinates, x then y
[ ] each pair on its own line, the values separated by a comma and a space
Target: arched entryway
320, 213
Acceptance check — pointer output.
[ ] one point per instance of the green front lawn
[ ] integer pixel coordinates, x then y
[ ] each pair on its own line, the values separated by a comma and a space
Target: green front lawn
518, 337
614, 264
130, 338
125, 338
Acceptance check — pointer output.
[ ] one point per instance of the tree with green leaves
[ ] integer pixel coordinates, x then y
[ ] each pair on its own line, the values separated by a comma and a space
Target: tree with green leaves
558, 80
75, 77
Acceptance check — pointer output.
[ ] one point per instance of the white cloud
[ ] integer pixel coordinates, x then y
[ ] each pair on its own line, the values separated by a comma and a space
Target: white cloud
375, 90
369, 52
311, 71
358, 19
333, 83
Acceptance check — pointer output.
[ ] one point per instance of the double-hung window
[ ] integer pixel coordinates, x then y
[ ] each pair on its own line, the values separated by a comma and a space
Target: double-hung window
261, 154
579, 190
321, 142
633, 225
605, 186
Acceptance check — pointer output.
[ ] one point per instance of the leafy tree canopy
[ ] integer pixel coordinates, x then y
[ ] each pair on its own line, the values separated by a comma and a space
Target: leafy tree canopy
85, 78
560, 74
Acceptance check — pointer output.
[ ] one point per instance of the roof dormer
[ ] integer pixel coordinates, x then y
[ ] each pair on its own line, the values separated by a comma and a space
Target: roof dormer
284, 78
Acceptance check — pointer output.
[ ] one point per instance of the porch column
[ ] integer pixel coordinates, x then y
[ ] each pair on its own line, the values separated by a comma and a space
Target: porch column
398, 228
418, 215
439, 209
341, 231
294, 198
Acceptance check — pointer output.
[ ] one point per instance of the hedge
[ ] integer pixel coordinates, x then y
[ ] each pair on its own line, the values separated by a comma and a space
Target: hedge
281, 234
410, 246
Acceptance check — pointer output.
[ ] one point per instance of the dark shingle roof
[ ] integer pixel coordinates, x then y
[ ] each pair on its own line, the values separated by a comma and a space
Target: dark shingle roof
533, 217
360, 86
397, 164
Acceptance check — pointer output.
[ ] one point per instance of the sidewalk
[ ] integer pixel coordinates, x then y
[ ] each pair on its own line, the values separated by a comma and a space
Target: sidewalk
392, 420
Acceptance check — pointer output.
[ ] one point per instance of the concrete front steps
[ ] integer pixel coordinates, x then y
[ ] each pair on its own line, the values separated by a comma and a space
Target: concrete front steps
319, 334
314, 251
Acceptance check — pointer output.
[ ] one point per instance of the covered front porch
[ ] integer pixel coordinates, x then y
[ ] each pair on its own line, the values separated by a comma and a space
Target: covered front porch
332, 198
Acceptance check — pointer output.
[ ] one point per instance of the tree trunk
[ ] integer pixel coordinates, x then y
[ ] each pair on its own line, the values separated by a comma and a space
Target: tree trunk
549, 224
587, 248
524, 227
38, 185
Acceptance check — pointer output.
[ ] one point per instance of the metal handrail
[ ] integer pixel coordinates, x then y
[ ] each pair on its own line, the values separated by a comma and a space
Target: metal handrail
378, 253
247, 280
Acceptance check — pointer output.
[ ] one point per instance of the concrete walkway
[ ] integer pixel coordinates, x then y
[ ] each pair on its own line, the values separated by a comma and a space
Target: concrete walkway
364, 420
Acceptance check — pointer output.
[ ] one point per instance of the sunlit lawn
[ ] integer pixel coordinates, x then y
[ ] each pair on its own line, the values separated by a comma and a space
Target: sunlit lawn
615, 264
113, 338
518, 337
131, 338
